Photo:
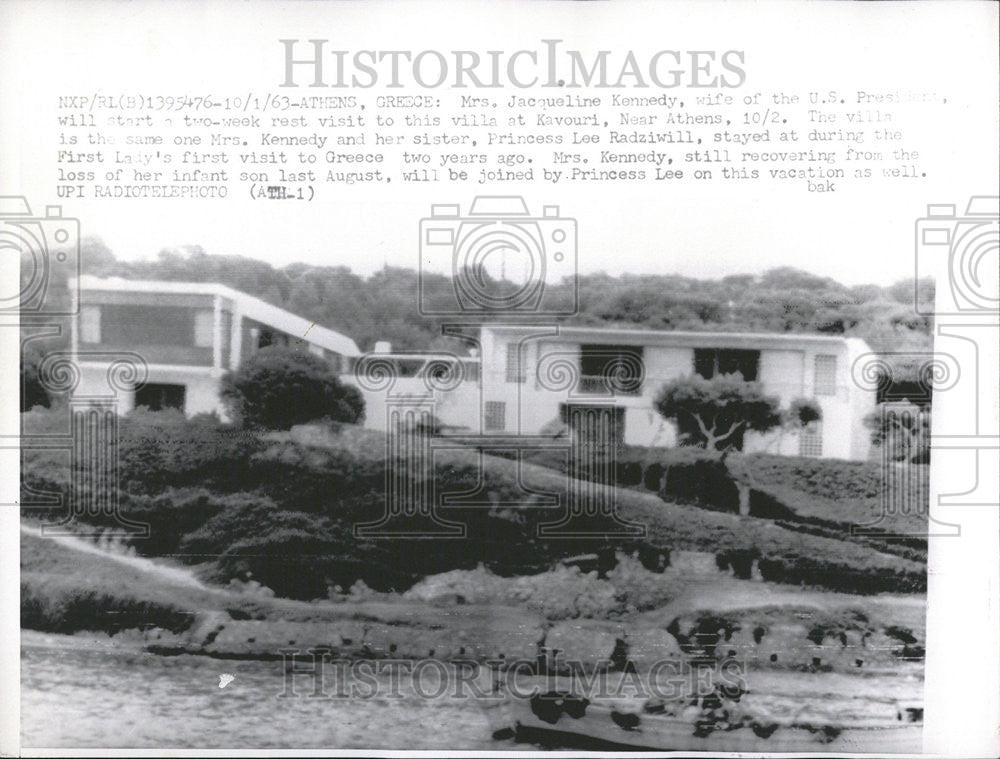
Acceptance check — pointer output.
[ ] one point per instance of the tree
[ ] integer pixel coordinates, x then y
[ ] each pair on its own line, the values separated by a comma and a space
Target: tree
716, 413
279, 387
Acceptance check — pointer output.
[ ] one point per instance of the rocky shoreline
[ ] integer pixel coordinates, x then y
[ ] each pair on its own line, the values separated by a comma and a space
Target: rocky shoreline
503, 635
422, 631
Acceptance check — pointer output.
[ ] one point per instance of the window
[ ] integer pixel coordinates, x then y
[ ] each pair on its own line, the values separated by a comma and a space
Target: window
204, 328
140, 325
157, 397
611, 370
825, 375
495, 416
90, 324
709, 362
515, 371
811, 440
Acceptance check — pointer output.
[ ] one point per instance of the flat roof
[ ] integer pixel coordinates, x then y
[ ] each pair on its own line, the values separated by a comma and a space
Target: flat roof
248, 305
685, 338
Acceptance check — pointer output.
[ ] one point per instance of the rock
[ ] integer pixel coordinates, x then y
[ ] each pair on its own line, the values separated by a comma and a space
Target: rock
742, 644
208, 624
269, 638
394, 642
787, 645
647, 646
590, 643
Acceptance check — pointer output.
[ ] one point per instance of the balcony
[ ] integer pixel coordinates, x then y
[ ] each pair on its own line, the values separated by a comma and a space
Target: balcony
609, 385
611, 371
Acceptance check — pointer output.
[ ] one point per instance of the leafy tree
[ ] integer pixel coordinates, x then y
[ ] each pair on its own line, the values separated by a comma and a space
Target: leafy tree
716, 413
280, 387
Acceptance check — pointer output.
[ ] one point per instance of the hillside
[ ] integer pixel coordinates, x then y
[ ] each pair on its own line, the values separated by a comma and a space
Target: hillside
281, 508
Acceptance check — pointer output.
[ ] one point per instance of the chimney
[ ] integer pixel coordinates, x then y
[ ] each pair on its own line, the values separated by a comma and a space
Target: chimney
382, 346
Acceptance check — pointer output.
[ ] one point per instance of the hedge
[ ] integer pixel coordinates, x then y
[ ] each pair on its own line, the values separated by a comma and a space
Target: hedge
283, 508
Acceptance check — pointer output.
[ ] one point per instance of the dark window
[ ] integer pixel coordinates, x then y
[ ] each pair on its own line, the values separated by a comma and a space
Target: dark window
269, 337
147, 325
611, 369
157, 397
709, 362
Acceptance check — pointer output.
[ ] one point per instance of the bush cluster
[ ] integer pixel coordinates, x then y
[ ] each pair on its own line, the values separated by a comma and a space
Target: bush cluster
58, 604
280, 509
844, 576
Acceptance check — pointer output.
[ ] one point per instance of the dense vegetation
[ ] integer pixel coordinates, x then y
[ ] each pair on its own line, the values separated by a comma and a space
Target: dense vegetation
859, 501
281, 510
383, 306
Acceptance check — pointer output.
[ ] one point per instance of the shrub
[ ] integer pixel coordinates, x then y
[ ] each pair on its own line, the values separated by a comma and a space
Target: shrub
53, 603
280, 509
278, 387
701, 478
307, 563
843, 576
159, 449
32, 392
802, 412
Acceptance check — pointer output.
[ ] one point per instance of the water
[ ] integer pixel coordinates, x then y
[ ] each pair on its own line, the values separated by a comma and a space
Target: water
80, 693
95, 692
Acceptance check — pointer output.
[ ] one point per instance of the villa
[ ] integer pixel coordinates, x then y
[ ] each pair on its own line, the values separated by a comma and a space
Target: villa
188, 335
521, 380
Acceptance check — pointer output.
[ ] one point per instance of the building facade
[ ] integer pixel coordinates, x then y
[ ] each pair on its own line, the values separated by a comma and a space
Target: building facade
521, 380
532, 376
187, 335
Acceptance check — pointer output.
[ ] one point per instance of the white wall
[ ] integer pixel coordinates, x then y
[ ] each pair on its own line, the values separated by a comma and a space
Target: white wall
201, 389
785, 372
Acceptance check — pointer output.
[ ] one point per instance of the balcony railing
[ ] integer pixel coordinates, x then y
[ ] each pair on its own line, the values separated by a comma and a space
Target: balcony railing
608, 385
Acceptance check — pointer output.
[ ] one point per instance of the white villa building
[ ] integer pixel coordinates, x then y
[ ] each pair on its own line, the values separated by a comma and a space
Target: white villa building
187, 334
521, 381
528, 378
